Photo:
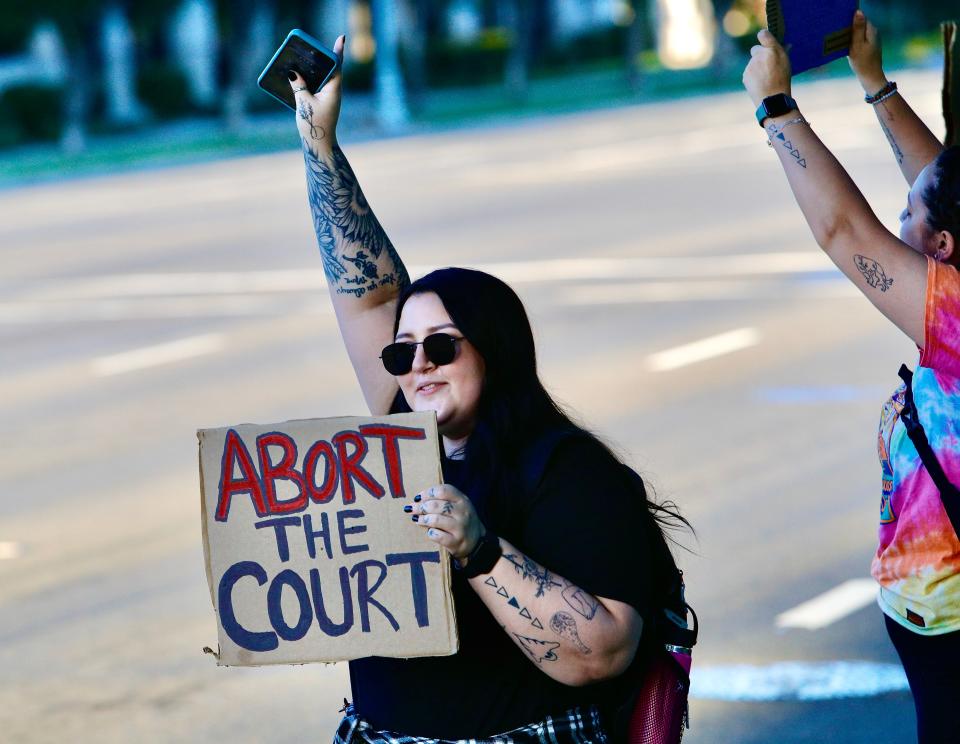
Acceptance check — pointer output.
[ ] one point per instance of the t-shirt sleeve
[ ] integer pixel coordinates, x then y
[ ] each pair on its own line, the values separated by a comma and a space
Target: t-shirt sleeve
941, 348
586, 523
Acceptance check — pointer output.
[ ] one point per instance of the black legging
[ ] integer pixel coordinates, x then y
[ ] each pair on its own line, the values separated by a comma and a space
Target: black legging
932, 664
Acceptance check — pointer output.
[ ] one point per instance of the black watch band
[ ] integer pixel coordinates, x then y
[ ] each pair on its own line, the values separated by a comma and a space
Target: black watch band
482, 558
777, 105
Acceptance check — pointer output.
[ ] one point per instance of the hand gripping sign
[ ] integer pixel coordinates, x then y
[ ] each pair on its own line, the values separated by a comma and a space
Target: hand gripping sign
309, 554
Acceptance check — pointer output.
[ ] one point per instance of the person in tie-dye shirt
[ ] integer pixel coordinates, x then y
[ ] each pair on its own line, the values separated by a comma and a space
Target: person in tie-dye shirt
914, 281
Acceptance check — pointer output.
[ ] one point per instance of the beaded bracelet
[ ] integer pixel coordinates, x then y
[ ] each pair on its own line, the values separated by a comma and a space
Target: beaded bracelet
881, 95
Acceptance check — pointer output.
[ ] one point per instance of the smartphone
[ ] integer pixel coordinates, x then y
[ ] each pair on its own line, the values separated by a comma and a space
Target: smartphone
306, 55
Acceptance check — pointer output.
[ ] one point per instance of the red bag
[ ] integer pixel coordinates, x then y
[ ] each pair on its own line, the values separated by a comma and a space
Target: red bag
659, 711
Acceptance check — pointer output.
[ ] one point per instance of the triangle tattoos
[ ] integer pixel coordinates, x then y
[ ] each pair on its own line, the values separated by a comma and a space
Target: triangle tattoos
513, 602
788, 145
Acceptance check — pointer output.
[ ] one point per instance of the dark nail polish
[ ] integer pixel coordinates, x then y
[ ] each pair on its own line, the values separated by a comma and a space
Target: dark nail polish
417, 497
408, 508
292, 75
415, 518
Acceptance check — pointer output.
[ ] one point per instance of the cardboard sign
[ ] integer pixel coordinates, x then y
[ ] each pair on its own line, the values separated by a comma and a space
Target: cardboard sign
309, 554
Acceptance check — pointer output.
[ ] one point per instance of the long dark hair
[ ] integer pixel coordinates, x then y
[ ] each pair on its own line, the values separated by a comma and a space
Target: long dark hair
515, 409
942, 197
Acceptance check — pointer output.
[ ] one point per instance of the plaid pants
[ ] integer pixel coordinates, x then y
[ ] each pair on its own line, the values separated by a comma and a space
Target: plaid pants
576, 726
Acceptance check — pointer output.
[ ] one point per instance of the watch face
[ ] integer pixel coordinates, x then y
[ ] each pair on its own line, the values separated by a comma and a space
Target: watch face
780, 104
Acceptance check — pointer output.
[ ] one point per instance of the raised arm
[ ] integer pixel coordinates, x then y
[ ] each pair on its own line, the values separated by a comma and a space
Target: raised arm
364, 273
889, 272
913, 144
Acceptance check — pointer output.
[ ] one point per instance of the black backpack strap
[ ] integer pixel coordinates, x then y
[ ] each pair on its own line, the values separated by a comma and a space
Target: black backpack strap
949, 493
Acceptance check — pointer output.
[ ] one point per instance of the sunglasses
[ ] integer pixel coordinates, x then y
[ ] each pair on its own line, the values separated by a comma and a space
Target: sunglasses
439, 348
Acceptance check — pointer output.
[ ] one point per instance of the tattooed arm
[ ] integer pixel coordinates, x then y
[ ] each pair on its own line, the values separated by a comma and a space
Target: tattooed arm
889, 272
571, 635
913, 144
364, 272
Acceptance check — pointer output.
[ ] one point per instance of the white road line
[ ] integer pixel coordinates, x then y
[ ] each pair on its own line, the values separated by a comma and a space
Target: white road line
213, 306
151, 356
830, 606
797, 680
9, 550
707, 348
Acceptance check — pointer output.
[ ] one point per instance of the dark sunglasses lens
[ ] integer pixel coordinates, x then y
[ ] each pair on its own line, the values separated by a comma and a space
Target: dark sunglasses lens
440, 348
398, 358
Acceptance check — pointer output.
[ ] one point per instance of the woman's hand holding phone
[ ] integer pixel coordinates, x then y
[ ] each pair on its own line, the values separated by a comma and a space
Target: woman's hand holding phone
317, 113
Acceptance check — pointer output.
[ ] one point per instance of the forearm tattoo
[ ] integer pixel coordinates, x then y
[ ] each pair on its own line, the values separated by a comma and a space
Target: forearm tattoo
536, 648
530, 570
539, 651
873, 273
345, 224
514, 603
898, 153
777, 135
563, 624
580, 601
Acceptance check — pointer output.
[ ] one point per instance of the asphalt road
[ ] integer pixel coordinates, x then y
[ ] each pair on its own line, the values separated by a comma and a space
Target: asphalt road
137, 308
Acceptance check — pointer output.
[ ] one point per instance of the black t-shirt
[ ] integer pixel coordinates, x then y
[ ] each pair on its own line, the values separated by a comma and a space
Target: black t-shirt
585, 523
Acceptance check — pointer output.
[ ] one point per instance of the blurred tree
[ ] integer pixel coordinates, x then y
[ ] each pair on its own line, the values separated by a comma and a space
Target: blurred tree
119, 65
77, 22
638, 35
415, 47
18, 23
727, 57
248, 33
389, 89
517, 17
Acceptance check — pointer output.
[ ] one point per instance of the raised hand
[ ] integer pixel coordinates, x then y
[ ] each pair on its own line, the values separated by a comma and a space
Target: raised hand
866, 57
768, 71
317, 113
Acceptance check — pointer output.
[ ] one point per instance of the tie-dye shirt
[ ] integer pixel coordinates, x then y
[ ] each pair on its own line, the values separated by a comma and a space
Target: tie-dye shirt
918, 561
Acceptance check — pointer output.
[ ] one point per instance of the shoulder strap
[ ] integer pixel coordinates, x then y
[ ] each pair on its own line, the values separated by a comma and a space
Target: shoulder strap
949, 494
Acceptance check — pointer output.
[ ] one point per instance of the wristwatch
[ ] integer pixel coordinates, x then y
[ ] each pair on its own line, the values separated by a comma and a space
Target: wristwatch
482, 558
777, 105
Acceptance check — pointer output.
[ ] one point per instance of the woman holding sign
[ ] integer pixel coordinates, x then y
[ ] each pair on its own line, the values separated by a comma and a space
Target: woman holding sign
914, 281
558, 563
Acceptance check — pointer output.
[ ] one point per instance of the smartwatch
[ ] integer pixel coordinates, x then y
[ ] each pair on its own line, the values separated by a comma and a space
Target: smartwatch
482, 558
777, 105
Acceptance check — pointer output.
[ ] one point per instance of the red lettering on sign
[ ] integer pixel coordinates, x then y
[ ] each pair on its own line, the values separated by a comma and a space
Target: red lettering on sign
283, 470
235, 451
321, 494
350, 468
391, 451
